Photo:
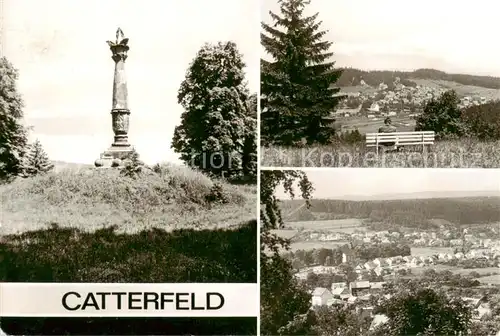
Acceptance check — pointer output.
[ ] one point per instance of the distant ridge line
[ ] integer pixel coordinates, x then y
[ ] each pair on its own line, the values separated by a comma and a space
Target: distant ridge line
409, 196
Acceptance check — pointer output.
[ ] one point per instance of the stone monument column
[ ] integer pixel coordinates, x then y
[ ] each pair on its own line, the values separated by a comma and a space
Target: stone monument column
120, 112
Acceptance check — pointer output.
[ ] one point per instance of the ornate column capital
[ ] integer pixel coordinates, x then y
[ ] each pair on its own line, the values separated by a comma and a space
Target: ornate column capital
119, 52
120, 47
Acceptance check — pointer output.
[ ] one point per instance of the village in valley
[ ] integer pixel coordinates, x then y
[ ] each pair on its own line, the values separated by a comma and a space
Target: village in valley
360, 252
400, 99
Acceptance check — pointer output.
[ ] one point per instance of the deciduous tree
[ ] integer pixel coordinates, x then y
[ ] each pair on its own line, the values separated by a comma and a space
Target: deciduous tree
218, 120
340, 321
442, 116
284, 302
423, 311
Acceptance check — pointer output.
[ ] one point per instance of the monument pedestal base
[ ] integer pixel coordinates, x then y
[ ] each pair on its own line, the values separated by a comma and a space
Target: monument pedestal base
112, 153
117, 152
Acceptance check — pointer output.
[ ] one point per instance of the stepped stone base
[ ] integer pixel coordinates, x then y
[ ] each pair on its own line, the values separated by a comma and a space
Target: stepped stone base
113, 154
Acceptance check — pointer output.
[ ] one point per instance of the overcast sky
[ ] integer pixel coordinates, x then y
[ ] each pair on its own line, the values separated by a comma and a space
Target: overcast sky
66, 70
348, 182
451, 36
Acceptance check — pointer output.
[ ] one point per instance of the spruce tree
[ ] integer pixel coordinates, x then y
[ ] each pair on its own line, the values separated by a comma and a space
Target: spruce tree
297, 96
13, 135
35, 161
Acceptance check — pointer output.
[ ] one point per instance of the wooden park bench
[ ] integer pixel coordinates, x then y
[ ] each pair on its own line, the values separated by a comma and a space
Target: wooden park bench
400, 139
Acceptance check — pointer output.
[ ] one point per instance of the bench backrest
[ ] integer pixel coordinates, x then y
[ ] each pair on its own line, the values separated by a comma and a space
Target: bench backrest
402, 138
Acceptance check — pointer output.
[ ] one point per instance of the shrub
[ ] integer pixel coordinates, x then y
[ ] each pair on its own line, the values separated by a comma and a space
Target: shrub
483, 121
35, 161
132, 165
351, 137
442, 116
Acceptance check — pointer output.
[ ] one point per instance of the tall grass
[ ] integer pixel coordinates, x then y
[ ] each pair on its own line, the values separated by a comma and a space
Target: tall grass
90, 199
154, 255
463, 153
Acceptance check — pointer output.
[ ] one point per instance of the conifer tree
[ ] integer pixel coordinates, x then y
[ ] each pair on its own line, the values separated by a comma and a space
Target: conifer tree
296, 86
13, 134
35, 161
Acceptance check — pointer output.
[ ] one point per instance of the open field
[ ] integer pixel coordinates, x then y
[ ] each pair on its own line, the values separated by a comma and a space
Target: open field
465, 153
309, 245
456, 270
492, 279
333, 225
365, 125
462, 90
286, 234
90, 199
429, 251
481, 271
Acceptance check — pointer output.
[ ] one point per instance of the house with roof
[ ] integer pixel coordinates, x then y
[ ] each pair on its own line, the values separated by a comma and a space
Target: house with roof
442, 257
375, 107
397, 260
320, 296
386, 240
414, 262
335, 302
347, 254
370, 265
360, 288
377, 287
342, 293
474, 302
336, 285
481, 311
301, 275
378, 320
364, 311
380, 262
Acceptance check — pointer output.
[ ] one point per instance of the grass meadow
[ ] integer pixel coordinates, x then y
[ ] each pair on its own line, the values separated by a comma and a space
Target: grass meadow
463, 153
171, 224
429, 251
492, 279
310, 245
91, 199
332, 225
417, 271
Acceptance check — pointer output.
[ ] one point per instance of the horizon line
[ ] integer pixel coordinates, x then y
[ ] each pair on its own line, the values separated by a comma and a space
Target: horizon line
361, 197
416, 69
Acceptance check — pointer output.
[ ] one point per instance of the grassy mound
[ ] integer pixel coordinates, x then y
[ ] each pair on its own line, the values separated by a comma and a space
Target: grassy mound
464, 153
89, 199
